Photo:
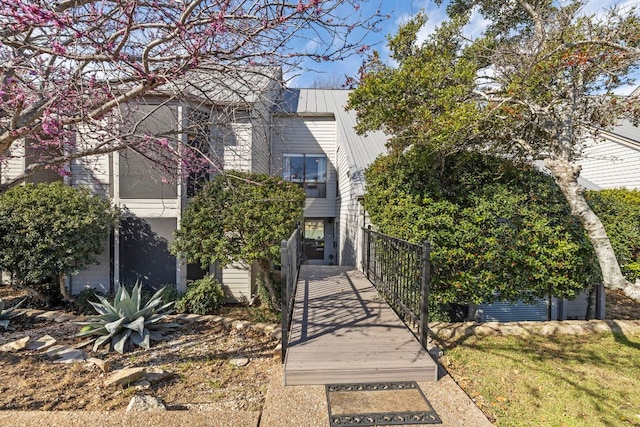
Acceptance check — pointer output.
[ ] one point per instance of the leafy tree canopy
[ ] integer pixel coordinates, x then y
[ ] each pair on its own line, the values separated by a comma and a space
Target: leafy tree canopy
537, 84
48, 231
240, 216
498, 231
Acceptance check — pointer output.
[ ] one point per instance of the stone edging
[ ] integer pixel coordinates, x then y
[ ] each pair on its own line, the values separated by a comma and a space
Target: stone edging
273, 331
457, 331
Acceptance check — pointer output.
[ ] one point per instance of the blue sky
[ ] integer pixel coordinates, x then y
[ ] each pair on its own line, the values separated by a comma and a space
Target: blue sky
400, 11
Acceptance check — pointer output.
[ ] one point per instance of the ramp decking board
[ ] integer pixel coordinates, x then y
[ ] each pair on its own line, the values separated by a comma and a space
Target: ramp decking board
342, 332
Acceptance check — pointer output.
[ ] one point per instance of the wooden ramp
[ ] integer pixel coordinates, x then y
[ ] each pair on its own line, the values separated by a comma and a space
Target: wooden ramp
342, 332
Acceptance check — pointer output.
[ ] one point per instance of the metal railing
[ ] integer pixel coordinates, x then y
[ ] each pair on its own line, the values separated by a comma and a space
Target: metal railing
290, 259
400, 272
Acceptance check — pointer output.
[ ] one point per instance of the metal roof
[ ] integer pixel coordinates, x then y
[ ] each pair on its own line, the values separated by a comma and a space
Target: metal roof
361, 150
627, 130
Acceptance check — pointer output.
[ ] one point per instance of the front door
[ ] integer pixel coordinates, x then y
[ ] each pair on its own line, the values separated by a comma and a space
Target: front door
314, 240
318, 241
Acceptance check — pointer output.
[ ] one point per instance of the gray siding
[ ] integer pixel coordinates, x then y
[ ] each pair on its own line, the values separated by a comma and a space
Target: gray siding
512, 312
308, 135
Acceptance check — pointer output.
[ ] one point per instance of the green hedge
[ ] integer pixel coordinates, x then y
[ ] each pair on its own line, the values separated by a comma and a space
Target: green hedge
619, 211
498, 231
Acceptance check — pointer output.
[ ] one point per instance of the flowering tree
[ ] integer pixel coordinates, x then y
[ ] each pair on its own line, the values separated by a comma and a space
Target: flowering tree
74, 64
536, 85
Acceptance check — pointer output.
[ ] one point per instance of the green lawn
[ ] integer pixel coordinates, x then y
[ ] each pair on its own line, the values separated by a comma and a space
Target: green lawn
580, 381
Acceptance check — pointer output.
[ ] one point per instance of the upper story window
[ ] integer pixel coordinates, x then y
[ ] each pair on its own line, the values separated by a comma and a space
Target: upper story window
309, 171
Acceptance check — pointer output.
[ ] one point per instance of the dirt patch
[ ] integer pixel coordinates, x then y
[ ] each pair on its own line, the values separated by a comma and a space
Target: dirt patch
198, 354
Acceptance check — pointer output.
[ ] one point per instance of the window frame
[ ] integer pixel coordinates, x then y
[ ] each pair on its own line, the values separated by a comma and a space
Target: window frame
314, 188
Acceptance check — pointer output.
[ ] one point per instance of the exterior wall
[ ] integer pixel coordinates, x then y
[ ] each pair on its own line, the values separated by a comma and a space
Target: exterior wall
513, 312
238, 281
308, 135
237, 146
96, 276
260, 138
611, 164
350, 214
15, 164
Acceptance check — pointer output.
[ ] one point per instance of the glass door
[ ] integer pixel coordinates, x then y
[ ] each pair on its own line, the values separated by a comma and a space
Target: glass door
314, 239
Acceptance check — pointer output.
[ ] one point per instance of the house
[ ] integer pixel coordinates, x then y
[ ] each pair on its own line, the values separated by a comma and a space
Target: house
248, 122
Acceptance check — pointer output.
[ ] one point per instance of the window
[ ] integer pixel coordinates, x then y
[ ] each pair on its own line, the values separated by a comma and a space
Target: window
309, 171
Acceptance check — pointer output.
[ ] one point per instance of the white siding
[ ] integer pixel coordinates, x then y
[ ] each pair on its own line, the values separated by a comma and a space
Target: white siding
308, 135
238, 279
260, 151
96, 277
349, 212
152, 208
92, 172
611, 164
15, 164
237, 147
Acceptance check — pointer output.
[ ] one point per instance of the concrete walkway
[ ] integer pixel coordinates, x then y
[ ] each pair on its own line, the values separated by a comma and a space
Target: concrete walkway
306, 406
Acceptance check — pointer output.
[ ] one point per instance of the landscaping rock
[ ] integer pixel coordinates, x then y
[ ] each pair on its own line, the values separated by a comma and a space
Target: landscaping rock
15, 345
70, 355
141, 403
239, 361
104, 365
41, 343
54, 350
154, 375
63, 317
142, 385
125, 376
241, 324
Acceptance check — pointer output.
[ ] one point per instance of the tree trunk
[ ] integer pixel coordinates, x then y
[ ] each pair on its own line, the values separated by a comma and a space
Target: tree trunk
63, 289
566, 176
265, 271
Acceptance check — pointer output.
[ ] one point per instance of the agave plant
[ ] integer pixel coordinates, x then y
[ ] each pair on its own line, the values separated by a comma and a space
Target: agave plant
125, 321
8, 314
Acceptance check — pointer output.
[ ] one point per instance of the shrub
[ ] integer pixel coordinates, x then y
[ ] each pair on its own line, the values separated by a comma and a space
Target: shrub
125, 322
48, 231
203, 296
498, 231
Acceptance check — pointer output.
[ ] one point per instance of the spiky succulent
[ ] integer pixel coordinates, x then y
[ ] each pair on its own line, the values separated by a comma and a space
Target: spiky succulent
8, 314
125, 321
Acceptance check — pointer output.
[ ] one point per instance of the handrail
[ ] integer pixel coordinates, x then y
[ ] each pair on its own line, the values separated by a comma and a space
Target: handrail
400, 272
291, 258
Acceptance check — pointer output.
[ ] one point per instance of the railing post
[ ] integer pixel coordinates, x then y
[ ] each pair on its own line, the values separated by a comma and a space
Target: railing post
367, 233
424, 306
284, 295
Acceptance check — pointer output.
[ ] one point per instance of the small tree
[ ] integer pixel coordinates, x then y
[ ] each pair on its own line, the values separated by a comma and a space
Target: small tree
49, 231
240, 216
